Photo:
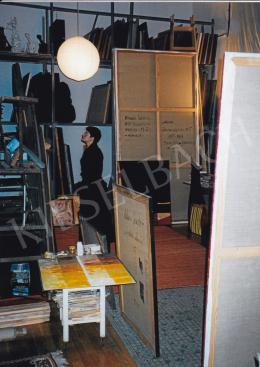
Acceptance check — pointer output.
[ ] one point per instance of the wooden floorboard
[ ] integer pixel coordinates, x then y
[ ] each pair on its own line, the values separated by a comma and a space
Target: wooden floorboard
85, 348
180, 261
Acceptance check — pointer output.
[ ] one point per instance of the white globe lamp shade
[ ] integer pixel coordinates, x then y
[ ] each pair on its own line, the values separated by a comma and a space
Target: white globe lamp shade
78, 58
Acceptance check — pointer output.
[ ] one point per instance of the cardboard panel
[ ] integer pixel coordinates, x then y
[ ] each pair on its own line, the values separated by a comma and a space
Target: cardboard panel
232, 334
136, 79
135, 248
237, 336
138, 128
177, 136
244, 152
176, 82
157, 118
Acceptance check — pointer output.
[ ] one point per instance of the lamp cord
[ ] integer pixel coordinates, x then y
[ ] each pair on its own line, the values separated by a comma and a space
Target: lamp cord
77, 18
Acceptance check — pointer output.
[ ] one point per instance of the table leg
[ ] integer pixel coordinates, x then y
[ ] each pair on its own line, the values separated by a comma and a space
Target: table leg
102, 312
65, 315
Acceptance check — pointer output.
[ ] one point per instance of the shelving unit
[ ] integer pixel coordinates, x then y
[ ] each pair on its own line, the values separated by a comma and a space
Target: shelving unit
50, 60
32, 218
23, 57
37, 58
33, 185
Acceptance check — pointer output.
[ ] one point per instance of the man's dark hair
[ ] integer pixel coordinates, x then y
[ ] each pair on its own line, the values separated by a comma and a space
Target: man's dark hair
94, 132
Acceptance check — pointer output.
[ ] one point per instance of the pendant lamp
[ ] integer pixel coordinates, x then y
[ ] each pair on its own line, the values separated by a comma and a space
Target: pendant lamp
78, 58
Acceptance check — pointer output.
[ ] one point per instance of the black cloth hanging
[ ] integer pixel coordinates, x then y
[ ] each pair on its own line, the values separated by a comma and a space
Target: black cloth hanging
40, 87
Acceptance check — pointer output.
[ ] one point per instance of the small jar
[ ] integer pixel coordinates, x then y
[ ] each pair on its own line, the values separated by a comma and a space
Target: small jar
72, 250
80, 250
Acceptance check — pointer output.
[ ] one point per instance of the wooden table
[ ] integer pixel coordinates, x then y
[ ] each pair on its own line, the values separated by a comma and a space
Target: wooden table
80, 273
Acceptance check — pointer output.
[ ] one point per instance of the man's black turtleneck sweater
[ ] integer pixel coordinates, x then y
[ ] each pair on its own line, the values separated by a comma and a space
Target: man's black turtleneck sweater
91, 164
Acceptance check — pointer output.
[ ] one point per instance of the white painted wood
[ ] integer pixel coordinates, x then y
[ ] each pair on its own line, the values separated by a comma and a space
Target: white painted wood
99, 318
65, 315
102, 312
232, 334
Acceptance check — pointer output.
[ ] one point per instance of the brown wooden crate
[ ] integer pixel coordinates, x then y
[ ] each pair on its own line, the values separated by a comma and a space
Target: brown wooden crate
66, 236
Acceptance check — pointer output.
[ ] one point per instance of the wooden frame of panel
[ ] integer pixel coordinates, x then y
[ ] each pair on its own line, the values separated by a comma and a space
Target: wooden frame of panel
181, 30
143, 89
157, 63
232, 334
135, 248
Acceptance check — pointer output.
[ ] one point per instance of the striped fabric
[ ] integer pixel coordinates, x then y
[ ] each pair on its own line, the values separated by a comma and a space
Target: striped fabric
195, 219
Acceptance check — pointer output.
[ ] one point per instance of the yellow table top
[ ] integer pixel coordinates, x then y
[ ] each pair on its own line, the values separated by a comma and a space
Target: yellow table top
82, 272
105, 270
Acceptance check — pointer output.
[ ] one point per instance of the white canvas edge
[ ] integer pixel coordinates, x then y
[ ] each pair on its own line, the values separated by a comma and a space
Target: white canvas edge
219, 189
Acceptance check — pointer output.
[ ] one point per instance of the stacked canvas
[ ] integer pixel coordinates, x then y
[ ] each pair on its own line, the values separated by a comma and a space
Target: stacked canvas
207, 46
131, 34
81, 304
24, 314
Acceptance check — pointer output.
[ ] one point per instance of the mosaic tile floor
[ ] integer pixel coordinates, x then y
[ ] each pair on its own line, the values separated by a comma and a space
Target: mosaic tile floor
180, 329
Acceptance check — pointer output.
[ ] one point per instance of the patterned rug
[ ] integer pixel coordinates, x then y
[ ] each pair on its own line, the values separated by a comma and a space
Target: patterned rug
54, 359
180, 330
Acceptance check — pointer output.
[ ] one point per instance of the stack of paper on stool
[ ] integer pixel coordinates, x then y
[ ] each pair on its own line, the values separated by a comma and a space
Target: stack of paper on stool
92, 249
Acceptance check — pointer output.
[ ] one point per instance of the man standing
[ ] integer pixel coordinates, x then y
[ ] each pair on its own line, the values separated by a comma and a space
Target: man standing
93, 189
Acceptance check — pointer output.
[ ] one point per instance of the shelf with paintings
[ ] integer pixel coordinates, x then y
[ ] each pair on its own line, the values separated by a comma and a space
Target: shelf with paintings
25, 57
18, 170
132, 32
23, 156
73, 124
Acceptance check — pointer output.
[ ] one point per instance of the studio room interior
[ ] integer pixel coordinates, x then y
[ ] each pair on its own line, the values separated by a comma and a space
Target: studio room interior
129, 166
